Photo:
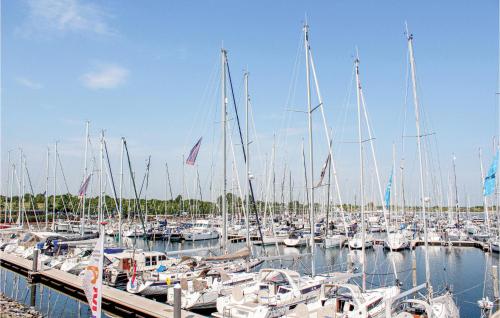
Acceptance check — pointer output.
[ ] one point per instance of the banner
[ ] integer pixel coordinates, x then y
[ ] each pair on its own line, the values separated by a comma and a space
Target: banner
92, 277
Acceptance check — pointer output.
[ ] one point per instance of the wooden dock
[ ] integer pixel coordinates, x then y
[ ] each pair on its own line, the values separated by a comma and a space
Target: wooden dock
113, 300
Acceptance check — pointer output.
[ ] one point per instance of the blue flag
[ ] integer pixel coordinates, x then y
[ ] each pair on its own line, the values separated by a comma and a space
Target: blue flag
489, 181
388, 192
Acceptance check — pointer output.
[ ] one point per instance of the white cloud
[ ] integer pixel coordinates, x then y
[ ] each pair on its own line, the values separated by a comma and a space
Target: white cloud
65, 16
105, 76
28, 83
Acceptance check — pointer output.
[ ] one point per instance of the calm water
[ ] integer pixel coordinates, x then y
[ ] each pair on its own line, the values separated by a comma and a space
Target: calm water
465, 270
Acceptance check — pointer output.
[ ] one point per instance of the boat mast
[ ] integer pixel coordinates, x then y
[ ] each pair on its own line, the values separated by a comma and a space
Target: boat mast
329, 162
46, 189
485, 202
120, 216
394, 185
311, 159
82, 217
55, 189
20, 216
456, 191
419, 146
100, 214
8, 200
247, 163
13, 169
224, 141
361, 176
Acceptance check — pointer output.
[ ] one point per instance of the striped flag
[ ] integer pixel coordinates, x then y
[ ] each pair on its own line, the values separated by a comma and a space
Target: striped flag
323, 171
191, 159
83, 188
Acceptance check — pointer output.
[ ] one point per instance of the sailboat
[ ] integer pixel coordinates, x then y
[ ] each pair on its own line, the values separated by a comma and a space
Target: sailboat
442, 306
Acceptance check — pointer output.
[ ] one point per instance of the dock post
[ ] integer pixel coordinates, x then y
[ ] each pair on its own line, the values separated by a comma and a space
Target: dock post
33, 295
34, 268
414, 268
177, 301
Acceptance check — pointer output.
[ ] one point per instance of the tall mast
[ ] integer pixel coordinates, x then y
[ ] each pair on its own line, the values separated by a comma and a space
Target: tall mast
419, 146
224, 141
485, 202
166, 189
394, 185
21, 189
169, 184
329, 162
101, 155
11, 192
273, 173
8, 199
55, 189
120, 216
361, 175
456, 191
247, 164
82, 217
311, 159
47, 190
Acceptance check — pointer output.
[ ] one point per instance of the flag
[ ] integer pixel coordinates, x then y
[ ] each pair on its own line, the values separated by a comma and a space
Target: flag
134, 273
191, 159
388, 192
489, 181
323, 170
92, 277
83, 188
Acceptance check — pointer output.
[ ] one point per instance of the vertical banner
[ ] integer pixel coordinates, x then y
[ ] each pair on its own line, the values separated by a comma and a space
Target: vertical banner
92, 278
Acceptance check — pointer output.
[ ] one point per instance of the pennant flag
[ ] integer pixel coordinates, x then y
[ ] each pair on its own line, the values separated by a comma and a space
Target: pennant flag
191, 159
83, 188
489, 181
323, 170
92, 278
388, 192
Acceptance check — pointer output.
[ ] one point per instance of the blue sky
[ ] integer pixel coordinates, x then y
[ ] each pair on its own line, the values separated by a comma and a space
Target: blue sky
149, 71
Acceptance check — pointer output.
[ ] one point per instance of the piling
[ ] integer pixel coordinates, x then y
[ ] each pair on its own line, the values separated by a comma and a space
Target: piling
34, 267
414, 269
33, 295
177, 301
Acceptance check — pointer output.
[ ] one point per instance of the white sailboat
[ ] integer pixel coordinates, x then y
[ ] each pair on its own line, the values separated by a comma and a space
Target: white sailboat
432, 306
396, 241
